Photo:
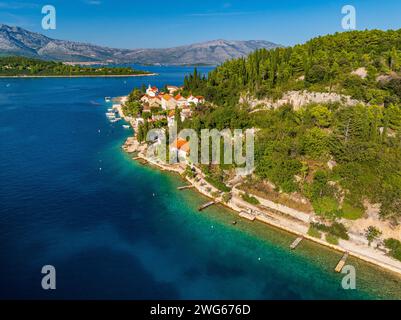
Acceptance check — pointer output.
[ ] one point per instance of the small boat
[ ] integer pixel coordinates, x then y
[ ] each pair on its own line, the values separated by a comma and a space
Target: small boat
126, 126
107, 99
110, 110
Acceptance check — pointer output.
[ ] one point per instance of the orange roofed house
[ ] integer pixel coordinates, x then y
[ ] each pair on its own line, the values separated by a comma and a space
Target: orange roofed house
168, 102
181, 101
180, 150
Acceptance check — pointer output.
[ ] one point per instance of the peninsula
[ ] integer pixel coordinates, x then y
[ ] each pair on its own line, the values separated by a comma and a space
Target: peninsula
26, 67
327, 143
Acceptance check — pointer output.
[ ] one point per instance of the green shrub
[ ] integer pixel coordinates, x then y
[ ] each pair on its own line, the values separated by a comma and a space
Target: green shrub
331, 239
227, 197
218, 184
250, 199
325, 206
314, 232
336, 229
395, 247
351, 212
320, 226
392, 244
372, 233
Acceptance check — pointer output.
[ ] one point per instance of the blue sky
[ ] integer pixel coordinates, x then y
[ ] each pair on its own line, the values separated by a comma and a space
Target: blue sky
156, 23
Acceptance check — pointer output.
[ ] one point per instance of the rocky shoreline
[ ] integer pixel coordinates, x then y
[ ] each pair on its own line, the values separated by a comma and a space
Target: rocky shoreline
275, 215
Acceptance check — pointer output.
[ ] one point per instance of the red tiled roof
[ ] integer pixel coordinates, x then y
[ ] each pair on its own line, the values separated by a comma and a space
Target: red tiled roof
178, 143
185, 147
167, 97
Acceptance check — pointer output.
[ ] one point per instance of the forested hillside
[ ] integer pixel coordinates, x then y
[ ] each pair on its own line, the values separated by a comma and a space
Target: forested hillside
335, 155
19, 66
328, 63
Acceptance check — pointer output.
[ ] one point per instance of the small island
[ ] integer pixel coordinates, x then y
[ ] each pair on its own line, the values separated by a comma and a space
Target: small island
27, 67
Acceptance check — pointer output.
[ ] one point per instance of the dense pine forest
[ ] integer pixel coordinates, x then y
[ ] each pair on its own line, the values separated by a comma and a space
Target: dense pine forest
337, 156
322, 64
20, 66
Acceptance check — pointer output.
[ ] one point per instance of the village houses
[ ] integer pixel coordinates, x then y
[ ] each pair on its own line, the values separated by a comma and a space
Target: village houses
154, 99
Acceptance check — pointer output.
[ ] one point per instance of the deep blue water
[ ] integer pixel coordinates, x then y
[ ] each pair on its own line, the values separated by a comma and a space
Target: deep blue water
70, 197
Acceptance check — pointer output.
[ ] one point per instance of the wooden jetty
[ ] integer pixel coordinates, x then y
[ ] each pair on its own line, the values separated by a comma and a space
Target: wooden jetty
206, 205
185, 187
342, 262
247, 215
296, 243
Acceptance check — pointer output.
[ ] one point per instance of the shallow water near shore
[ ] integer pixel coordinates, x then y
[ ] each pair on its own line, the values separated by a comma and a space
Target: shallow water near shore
70, 197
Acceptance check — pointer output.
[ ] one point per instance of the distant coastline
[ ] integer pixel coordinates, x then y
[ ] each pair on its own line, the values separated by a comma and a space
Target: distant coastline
86, 76
20, 67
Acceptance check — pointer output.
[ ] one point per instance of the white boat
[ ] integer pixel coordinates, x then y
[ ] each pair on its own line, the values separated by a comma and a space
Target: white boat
107, 99
126, 126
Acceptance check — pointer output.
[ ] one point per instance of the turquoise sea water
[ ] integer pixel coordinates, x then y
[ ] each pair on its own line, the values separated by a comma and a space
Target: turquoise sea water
70, 197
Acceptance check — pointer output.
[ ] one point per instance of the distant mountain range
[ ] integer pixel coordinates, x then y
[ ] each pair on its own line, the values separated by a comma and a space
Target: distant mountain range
21, 42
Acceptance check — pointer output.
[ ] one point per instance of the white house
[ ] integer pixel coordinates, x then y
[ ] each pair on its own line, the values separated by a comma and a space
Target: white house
181, 101
168, 102
186, 113
196, 100
172, 89
180, 149
152, 91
